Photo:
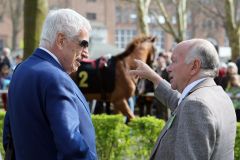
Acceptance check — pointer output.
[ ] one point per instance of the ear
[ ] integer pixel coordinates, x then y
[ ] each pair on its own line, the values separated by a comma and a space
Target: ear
60, 38
196, 66
153, 39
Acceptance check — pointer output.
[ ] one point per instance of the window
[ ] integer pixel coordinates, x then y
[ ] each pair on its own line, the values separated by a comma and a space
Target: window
189, 18
125, 15
188, 34
118, 14
133, 18
1, 18
209, 24
206, 1
124, 36
238, 14
226, 40
91, 16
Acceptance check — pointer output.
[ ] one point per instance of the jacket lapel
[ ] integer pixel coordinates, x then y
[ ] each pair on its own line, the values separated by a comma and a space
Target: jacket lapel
205, 83
163, 132
83, 100
44, 55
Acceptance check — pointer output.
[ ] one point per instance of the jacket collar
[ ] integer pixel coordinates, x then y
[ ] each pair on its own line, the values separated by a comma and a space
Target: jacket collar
205, 83
46, 56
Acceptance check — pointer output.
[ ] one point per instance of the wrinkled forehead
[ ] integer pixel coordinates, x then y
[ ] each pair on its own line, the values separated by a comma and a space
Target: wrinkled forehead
181, 50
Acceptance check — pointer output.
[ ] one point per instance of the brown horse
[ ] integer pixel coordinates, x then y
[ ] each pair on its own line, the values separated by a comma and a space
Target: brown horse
142, 48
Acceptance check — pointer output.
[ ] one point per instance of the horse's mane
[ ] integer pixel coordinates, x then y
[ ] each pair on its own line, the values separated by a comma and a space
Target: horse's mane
133, 44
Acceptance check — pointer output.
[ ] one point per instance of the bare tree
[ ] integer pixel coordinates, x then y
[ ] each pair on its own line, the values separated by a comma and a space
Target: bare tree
142, 12
142, 7
177, 28
232, 25
226, 12
16, 14
3, 4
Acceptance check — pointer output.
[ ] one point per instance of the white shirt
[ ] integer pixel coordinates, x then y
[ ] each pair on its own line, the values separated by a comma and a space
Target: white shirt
51, 54
188, 89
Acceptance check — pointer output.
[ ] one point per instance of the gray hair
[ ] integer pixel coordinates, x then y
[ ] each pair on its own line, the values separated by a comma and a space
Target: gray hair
6, 51
65, 21
233, 66
204, 51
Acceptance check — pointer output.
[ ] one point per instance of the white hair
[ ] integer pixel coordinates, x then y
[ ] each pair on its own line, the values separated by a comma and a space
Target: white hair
233, 66
65, 21
6, 51
207, 54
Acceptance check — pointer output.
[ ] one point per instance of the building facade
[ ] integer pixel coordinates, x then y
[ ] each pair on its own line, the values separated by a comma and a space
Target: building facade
115, 22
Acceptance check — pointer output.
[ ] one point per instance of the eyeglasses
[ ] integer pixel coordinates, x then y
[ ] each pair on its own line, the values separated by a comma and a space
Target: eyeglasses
83, 43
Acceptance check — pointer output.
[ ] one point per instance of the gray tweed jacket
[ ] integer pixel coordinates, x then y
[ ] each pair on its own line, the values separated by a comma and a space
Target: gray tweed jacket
202, 127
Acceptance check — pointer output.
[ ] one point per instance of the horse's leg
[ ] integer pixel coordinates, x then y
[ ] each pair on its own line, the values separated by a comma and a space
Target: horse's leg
122, 105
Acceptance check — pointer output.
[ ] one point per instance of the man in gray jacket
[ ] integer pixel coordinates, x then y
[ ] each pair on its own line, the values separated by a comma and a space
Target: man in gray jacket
203, 121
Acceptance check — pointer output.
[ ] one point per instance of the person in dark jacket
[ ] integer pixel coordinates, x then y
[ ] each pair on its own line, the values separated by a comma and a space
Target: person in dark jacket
49, 116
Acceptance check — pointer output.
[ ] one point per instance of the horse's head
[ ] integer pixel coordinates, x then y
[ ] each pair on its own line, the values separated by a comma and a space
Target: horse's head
141, 47
152, 50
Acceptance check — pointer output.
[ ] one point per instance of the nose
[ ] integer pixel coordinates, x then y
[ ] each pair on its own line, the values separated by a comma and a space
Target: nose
84, 53
169, 68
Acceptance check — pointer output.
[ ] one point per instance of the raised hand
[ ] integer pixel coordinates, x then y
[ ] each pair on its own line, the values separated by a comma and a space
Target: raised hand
145, 72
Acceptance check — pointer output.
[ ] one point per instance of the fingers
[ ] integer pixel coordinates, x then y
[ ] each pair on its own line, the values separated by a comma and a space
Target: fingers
142, 70
138, 62
134, 72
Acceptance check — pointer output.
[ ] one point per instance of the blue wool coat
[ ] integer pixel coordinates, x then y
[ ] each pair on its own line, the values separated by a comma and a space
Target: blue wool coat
49, 116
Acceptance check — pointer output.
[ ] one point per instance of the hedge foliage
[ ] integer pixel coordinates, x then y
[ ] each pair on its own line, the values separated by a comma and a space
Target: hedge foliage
2, 114
237, 143
111, 136
116, 141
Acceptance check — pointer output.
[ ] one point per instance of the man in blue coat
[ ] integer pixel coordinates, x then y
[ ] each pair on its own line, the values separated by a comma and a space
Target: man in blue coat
49, 117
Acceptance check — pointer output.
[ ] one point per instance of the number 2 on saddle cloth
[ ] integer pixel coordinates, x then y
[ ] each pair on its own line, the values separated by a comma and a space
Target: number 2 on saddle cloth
96, 76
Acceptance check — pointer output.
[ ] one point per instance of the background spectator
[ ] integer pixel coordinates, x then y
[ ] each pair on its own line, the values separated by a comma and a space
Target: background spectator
5, 77
6, 57
231, 70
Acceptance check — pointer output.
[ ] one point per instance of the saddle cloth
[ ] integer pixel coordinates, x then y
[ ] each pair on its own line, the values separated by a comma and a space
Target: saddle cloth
96, 76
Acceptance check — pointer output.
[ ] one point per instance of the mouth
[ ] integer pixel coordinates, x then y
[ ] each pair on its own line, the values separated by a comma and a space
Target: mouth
170, 78
78, 61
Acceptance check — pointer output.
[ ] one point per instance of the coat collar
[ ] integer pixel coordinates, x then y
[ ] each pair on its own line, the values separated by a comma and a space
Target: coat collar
46, 56
205, 83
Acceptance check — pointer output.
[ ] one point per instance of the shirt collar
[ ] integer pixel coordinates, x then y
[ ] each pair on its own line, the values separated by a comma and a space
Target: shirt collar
51, 54
188, 89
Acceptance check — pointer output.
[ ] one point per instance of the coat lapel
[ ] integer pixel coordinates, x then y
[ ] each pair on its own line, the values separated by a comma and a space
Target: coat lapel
83, 100
205, 83
44, 55
163, 132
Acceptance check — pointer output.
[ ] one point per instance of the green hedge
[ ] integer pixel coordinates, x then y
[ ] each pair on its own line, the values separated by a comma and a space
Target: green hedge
116, 140
2, 114
237, 143
111, 136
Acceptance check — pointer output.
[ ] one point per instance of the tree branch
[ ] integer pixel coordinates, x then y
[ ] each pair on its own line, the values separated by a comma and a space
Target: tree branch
166, 17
